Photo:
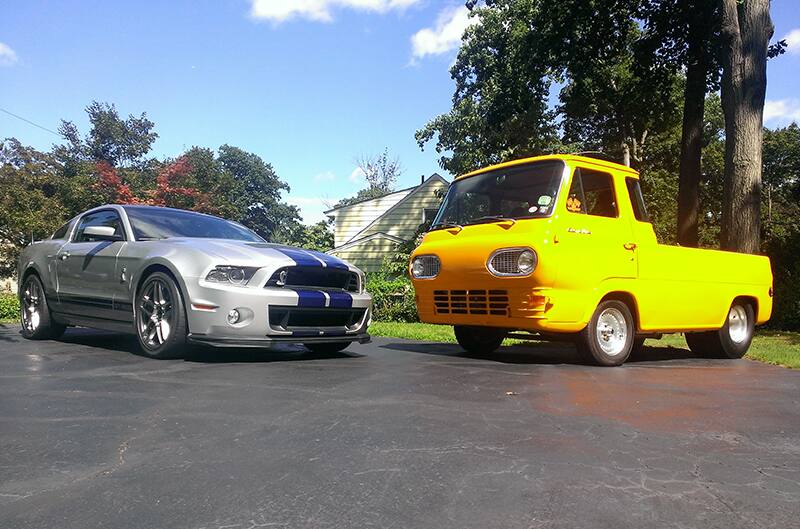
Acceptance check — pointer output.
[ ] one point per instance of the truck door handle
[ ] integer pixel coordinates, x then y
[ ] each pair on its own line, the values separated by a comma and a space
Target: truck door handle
63, 256
629, 245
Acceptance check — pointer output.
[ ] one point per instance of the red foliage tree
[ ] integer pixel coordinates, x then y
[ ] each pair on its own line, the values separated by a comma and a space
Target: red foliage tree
110, 185
172, 189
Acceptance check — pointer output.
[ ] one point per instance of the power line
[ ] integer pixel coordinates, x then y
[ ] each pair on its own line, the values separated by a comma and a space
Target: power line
30, 122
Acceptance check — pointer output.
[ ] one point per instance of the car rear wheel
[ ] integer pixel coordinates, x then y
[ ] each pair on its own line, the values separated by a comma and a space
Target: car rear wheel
609, 337
732, 340
160, 317
479, 340
327, 348
35, 318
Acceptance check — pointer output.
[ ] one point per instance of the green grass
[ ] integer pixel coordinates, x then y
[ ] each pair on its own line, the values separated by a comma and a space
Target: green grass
772, 347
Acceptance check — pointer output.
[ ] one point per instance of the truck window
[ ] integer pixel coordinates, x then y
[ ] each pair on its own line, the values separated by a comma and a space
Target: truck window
637, 201
592, 193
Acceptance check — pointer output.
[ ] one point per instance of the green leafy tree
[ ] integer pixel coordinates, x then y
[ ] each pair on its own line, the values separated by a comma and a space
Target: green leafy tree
30, 206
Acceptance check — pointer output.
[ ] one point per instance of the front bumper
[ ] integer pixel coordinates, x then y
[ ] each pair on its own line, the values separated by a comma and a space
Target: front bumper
208, 305
271, 341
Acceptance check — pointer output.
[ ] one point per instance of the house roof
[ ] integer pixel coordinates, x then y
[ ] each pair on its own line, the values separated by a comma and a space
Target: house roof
406, 190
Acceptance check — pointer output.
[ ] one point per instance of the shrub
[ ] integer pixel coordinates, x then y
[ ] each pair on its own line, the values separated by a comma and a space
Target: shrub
392, 298
9, 307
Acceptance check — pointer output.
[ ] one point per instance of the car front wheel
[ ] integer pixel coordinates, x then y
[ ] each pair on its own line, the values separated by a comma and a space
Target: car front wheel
160, 317
35, 318
609, 337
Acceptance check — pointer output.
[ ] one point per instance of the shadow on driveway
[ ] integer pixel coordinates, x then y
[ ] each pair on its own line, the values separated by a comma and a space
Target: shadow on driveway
536, 353
126, 343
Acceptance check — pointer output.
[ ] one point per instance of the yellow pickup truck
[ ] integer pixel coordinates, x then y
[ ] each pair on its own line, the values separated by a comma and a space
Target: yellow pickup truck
561, 247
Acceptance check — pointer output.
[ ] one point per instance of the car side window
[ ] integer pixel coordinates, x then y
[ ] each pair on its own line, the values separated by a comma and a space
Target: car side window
637, 200
592, 193
61, 233
99, 218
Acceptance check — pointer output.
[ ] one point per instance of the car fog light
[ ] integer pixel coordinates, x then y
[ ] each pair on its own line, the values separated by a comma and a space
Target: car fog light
233, 316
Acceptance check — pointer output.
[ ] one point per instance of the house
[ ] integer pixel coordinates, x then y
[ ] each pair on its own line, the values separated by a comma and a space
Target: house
367, 231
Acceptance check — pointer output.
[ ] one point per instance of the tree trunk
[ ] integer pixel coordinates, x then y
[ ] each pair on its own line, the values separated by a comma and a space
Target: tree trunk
746, 30
694, 97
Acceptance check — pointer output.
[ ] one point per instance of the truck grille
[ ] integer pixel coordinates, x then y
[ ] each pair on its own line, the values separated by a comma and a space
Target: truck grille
319, 277
494, 302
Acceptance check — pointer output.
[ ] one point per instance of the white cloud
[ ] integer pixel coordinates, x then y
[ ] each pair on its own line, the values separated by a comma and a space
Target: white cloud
782, 111
793, 41
319, 10
357, 175
444, 36
327, 176
8, 56
311, 209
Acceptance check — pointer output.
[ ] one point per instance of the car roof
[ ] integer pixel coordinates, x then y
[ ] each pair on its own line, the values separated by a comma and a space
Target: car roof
557, 157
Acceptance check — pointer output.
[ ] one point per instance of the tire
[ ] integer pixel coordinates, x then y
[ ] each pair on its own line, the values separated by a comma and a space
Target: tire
160, 317
732, 340
34, 312
479, 340
327, 348
609, 337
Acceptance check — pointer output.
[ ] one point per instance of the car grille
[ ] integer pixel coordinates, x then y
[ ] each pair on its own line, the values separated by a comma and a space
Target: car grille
319, 277
286, 318
493, 302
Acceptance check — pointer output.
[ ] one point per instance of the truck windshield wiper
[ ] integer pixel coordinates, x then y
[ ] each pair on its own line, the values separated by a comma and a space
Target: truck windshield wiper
446, 225
493, 218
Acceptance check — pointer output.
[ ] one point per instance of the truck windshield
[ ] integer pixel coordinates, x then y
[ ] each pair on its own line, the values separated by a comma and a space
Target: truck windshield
519, 192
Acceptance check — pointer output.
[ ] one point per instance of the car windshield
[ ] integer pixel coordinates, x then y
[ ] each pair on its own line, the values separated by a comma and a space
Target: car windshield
518, 192
162, 223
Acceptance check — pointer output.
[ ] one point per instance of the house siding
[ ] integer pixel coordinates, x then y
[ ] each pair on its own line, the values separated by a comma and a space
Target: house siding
368, 255
352, 219
404, 219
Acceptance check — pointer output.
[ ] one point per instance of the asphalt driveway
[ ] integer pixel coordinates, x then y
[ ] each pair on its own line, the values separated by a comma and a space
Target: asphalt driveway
392, 434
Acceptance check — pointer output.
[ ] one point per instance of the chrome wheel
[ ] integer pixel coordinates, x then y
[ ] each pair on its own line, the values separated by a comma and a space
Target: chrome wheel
155, 314
612, 331
738, 327
31, 306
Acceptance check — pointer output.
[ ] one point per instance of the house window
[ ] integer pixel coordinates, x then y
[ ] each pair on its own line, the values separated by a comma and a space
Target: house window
428, 214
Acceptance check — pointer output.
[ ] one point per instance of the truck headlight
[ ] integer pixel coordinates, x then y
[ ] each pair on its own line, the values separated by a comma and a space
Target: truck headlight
425, 267
512, 262
234, 275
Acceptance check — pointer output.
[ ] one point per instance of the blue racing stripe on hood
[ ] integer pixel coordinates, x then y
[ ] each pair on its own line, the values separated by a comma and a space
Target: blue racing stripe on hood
331, 261
340, 300
300, 257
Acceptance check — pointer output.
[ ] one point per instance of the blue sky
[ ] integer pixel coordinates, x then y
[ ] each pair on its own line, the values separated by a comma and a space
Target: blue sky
309, 85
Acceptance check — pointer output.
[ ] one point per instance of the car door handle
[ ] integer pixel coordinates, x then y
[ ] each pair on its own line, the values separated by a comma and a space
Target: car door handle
629, 245
63, 256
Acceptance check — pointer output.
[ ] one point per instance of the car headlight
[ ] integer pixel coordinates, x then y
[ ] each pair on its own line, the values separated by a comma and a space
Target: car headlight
512, 262
234, 275
425, 267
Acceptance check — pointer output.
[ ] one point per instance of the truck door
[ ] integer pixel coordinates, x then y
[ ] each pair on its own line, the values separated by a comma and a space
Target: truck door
594, 240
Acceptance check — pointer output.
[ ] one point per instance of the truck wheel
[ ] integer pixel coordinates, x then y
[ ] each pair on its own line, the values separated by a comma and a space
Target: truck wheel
34, 312
479, 340
732, 340
160, 317
608, 339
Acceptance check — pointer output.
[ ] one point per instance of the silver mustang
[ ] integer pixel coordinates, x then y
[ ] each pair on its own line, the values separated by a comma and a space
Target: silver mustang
172, 276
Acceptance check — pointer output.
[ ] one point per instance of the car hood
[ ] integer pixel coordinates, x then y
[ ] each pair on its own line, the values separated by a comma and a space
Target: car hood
244, 253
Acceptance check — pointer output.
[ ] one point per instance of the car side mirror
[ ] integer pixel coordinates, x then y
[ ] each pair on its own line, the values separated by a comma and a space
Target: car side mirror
102, 233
